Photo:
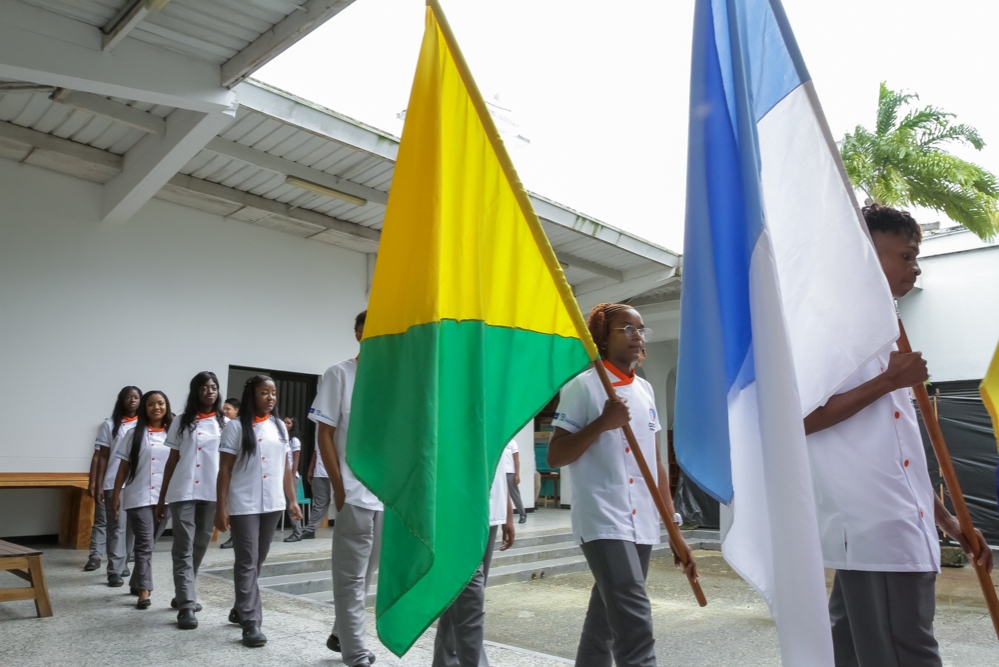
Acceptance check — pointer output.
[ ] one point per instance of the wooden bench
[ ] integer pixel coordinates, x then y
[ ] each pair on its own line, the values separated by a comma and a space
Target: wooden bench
27, 564
77, 516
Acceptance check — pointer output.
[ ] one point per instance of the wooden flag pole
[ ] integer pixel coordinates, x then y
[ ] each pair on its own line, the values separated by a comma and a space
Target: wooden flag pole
950, 478
675, 538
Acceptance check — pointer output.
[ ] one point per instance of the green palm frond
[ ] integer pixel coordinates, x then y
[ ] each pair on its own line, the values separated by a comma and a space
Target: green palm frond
904, 162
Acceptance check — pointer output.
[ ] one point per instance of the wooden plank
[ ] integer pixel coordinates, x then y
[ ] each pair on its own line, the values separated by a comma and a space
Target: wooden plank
43, 605
14, 563
65, 517
84, 518
11, 549
11, 594
30, 480
23, 574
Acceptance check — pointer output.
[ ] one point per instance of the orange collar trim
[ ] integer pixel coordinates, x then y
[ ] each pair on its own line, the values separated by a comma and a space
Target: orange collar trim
206, 416
622, 379
126, 420
156, 430
258, 420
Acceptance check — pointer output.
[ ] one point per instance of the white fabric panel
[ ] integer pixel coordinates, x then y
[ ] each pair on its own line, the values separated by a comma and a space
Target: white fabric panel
772, 538
837, 301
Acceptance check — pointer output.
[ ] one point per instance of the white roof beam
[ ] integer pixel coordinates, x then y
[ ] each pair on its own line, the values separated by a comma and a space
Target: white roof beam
290, 168
321, 122
595, 291
62, 155
121, 24
116, 111
156, 158
591, 267
46, 48
292, 28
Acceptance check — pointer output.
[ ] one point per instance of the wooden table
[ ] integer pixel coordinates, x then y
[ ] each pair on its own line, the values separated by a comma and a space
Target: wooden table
77, 516
27, 564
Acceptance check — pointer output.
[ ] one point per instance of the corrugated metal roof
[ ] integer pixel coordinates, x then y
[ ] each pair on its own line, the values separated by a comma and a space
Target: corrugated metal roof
213, 30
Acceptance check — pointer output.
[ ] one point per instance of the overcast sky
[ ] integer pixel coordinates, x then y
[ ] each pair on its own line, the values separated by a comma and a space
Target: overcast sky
601, 89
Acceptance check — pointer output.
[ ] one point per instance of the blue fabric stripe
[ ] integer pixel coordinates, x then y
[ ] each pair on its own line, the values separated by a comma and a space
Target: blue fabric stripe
741, 68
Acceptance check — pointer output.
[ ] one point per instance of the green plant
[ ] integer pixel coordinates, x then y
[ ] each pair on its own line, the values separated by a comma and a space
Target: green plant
904, 162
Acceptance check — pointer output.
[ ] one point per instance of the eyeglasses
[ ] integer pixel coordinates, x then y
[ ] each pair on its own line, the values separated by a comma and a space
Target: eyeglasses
632, 333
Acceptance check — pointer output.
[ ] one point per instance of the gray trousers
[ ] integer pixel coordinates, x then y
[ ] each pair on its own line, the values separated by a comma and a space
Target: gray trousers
322, 496
120, 539
193, 522
518, 504
357, 544
619, 619
147, 531
251, 542
98, 534
461, 628
884, 619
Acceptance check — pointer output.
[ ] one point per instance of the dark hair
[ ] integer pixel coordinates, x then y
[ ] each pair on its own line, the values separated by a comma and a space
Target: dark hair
139, 432
194, 400
119, 408
294, 432
599, 323
248, 444
234, 402
888, 220
359, 320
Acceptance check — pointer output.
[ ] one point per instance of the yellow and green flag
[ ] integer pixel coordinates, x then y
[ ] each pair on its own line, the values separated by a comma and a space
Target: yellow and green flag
989, 390
471, 329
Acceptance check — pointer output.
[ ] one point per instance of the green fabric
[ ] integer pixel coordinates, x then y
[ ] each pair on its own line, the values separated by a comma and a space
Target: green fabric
432, 410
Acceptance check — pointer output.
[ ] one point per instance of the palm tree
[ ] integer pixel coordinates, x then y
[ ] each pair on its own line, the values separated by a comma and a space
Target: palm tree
904, 162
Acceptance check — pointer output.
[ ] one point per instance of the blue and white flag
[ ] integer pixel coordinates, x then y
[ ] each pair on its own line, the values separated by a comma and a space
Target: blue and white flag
783, 300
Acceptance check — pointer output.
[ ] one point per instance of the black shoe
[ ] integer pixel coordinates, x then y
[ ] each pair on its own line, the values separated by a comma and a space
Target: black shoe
233, 616
92, 564
252, 636
144, 604
523, 519
126, 572
173, 605
293, 538
333, 643
227, 544
309, 535
186, 620
115, 580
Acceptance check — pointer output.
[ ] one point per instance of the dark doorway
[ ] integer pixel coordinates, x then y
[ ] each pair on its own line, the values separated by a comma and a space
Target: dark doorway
295, 393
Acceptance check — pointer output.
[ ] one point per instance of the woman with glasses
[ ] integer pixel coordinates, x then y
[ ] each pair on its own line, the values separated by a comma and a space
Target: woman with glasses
614, 516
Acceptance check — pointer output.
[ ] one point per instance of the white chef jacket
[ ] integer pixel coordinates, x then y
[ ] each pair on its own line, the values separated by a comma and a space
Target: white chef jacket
106, 439
257, 482
144, 489
610, 500
294, 445
873, 494
332, 407
197, 469
506, 462
499, 498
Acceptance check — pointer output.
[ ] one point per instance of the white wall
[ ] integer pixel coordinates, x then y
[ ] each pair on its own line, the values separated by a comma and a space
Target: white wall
88, 308
954, 318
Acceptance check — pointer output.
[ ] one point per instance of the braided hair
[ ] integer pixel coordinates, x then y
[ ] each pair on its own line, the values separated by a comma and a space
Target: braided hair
599, 323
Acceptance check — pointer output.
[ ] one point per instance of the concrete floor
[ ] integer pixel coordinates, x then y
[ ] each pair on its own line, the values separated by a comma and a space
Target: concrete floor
542, 619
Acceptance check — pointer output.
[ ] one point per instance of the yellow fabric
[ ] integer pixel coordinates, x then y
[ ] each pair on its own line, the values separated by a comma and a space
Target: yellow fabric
990, 392
461, 240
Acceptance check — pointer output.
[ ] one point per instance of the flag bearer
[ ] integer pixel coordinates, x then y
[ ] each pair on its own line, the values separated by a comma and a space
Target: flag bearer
142, 458
614, 517
123, 414
254, 481
357, 532
461, 628
875, 504
189, 488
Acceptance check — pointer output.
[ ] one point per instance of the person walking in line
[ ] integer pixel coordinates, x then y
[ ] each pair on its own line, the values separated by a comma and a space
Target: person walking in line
231, 411
189, 481
614, 516
511, 466
357, 533
143, 458
322, 493
124, 411
254, 485
294, 452
119, 539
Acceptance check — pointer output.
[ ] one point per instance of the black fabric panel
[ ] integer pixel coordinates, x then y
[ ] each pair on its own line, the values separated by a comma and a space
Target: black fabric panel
694, 505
